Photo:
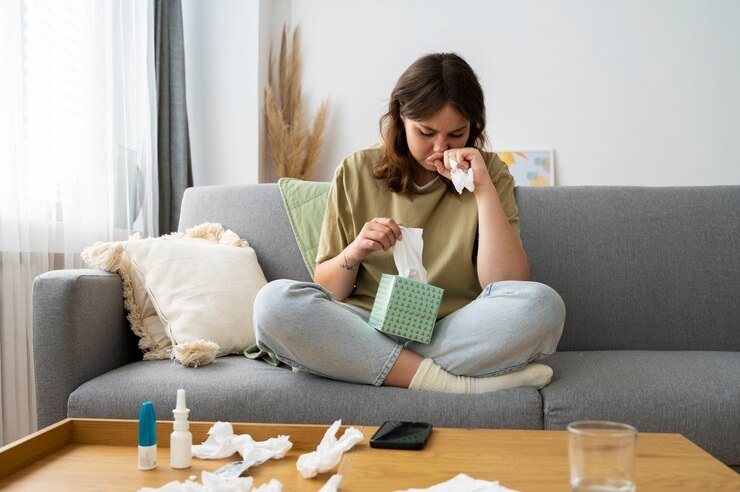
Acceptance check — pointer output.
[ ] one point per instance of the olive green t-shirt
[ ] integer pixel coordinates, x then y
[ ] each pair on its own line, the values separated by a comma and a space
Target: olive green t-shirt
449, 221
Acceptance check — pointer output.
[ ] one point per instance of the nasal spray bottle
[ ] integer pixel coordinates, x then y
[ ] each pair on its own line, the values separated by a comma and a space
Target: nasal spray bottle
147, 437
181, 440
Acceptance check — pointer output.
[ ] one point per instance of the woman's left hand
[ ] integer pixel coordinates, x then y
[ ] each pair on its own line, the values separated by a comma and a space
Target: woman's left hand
467, 158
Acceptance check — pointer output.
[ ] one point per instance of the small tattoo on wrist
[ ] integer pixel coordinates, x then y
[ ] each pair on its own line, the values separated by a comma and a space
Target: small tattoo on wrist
346, 265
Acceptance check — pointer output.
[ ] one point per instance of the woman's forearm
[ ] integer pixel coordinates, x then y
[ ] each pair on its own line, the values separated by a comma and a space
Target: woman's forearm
500, 254
337, 275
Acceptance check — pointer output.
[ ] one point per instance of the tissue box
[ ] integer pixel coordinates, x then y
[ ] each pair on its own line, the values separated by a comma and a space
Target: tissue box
407, 308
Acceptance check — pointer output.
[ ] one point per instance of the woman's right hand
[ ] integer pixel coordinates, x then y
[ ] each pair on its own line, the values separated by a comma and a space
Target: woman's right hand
379, 233
338, 274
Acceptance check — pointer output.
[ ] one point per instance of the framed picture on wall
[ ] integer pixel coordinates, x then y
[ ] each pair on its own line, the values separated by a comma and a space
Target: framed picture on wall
530, 167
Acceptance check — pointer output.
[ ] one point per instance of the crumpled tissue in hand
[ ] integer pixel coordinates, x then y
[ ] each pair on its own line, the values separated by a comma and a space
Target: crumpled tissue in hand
464, 483
222, 443
329, 451
215, 483
461, 179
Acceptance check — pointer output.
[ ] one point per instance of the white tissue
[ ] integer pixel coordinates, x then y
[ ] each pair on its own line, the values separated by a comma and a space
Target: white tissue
329, 451
461, 179
222, 443
407, 254
215, 483
464, 483
272, 486
332, 485
274, 448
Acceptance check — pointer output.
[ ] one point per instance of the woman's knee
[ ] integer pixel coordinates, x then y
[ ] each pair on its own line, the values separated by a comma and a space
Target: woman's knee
281, 305
548, 308
270, 297
274, 305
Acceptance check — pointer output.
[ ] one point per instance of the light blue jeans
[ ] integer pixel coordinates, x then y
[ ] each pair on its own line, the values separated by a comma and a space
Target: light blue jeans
509, 325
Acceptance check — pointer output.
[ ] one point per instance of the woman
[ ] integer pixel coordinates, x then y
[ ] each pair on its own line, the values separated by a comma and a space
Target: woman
482, 342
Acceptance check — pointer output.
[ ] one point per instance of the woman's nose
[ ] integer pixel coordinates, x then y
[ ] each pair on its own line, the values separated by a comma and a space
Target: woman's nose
440, 144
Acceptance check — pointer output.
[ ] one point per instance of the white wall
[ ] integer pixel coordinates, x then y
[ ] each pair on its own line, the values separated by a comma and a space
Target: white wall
274, 15
222, 47
628, 92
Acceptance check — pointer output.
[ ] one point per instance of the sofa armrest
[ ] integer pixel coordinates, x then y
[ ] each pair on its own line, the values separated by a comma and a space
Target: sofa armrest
79, 332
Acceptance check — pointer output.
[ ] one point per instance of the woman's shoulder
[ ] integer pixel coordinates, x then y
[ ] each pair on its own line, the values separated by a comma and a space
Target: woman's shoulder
369, 156
496, 166
493, 161
360, 163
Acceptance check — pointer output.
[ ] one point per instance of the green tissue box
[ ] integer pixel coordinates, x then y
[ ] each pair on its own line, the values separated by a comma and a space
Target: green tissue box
407, 308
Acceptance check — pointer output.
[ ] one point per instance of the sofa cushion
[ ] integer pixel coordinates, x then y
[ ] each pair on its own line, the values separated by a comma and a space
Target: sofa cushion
638, 268
692, 393
237, 389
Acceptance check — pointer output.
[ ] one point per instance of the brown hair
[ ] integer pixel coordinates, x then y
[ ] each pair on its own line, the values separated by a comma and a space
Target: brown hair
422, 91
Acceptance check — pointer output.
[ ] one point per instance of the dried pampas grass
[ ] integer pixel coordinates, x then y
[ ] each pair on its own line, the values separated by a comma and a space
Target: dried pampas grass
294, 147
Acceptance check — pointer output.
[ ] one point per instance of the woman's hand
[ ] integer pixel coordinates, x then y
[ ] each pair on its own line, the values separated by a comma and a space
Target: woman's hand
467, 158
379, 233
338, 274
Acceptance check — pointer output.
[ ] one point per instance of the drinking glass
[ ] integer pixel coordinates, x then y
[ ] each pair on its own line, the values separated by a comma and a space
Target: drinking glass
602, 456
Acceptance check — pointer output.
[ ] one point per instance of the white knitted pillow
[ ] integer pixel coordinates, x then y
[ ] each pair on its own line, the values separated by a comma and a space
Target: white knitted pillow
189, 296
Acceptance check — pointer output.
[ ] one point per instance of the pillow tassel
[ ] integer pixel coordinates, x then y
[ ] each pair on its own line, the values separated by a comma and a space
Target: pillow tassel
104, 256
209, 231
230, 238
196, 353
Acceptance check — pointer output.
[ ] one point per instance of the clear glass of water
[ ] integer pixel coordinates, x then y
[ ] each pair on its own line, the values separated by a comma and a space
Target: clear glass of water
602, 456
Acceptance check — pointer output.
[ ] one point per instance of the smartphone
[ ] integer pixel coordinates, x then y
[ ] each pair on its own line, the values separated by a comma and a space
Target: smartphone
394, 434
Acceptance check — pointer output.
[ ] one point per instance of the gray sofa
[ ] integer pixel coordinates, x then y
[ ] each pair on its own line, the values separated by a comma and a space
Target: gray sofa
650, 278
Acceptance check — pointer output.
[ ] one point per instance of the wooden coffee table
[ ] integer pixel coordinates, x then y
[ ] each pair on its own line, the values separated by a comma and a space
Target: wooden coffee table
87, 454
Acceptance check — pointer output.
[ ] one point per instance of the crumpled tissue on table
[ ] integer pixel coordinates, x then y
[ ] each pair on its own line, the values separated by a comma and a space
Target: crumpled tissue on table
215, 483
461, 179
332, 485
329, 451
222, 443
464, 483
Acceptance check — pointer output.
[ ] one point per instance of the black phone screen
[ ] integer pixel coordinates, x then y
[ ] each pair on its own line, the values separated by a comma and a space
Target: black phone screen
395, 434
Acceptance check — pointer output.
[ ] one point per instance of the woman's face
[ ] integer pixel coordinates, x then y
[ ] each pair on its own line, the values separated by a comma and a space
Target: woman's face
447, 129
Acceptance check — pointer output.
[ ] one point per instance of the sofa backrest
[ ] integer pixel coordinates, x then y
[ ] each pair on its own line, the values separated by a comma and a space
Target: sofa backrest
257, 214
638, 268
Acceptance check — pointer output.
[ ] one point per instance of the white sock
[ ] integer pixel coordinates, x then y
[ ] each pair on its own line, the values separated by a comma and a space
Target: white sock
431, 377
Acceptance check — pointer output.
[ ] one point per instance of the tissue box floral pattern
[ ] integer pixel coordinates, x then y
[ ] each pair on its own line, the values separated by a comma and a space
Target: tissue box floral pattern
406, 308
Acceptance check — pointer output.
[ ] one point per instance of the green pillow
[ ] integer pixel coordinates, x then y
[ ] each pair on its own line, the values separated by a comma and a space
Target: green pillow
305, 203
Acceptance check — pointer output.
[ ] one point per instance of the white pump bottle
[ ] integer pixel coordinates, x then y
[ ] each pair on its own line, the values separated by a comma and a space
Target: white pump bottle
181, 440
